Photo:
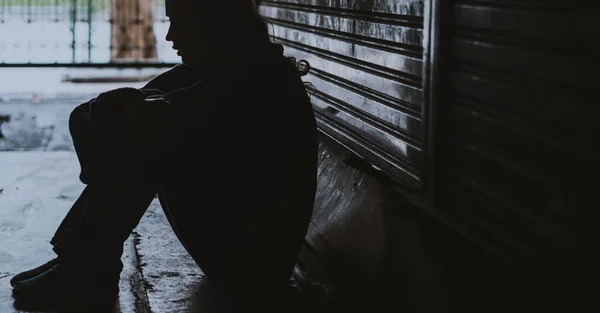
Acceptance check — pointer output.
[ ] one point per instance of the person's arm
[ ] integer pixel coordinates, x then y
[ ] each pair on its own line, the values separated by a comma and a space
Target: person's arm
163, 119
178, 77
175, 79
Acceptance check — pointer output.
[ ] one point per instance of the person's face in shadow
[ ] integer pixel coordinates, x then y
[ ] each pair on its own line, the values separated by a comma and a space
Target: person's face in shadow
186, 31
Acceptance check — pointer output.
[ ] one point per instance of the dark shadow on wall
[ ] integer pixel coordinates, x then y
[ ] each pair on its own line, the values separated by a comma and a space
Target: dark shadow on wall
370, 246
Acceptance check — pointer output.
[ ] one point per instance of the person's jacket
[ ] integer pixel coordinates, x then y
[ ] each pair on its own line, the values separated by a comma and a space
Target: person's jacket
241, 143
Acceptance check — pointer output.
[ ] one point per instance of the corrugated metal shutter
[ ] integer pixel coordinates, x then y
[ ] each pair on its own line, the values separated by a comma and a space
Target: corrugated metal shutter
367, 67
517, 126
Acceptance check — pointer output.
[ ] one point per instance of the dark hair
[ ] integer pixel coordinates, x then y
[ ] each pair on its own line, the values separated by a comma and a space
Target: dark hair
249, 28
302, 66
243, 17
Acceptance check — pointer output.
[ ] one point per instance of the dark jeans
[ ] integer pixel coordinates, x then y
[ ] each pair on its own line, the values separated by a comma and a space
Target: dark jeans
120, 187
123, 176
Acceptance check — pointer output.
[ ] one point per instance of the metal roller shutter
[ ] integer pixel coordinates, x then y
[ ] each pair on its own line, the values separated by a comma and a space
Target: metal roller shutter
516, 125
367, 69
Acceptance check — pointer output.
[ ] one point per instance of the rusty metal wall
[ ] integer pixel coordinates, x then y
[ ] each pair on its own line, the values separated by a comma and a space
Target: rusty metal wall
517, 126
367, 69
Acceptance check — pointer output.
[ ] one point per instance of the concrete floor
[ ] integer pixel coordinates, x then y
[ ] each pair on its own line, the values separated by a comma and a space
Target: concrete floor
36, 191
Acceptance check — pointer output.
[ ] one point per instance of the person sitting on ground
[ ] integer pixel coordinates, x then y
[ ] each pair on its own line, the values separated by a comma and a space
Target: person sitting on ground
227, 139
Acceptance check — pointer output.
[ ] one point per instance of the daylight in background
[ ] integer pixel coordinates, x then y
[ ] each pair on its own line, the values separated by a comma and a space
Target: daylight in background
76, 31
47, 48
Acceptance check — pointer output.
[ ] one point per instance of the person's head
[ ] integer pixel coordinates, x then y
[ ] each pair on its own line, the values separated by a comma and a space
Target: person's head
202, 28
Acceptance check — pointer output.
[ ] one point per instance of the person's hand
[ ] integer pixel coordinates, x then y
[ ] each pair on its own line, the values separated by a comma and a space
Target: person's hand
151, 92
111, 104
131, 108
149, 114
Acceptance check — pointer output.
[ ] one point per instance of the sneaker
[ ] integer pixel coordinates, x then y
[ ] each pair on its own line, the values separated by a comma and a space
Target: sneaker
33, 272
61, 287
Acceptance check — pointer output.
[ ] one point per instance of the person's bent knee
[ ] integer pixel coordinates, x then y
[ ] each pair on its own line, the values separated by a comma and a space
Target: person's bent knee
80, 117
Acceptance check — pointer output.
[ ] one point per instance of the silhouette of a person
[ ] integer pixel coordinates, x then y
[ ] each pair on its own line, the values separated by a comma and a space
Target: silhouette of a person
228, 141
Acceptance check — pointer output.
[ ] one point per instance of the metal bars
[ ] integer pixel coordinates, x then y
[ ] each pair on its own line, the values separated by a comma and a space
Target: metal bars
78, 33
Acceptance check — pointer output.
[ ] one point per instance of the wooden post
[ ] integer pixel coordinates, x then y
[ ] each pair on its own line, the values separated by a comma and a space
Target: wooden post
132, 31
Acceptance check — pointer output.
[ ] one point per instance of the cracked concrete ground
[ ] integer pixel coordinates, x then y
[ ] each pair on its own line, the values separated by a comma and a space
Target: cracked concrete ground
37, 190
